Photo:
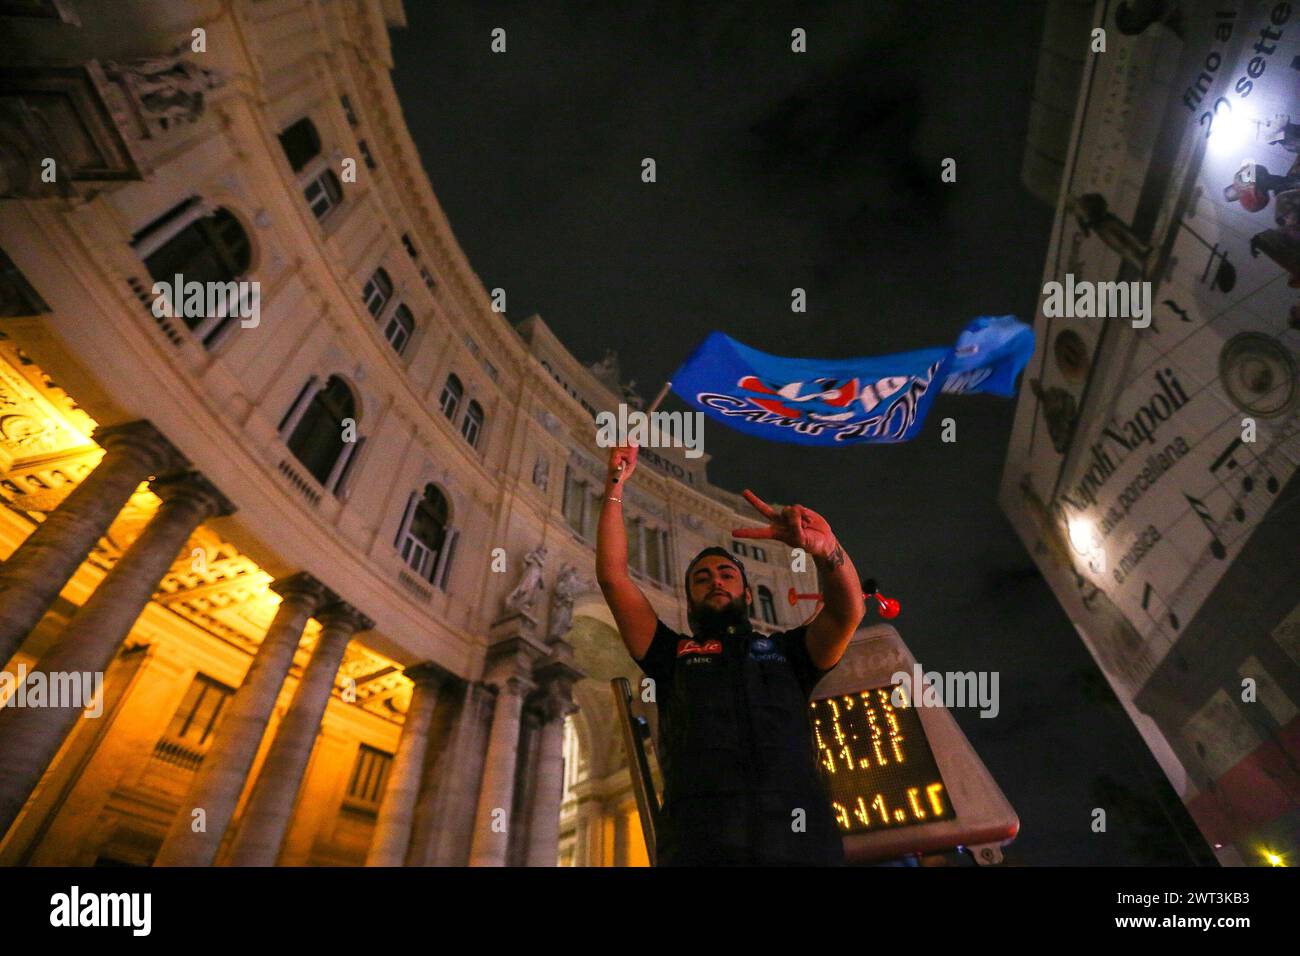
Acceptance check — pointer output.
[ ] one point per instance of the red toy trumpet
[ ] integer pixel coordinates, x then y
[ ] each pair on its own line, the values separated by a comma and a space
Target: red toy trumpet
887, 606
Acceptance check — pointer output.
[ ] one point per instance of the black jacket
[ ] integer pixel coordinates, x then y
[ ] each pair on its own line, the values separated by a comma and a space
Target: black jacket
735, 745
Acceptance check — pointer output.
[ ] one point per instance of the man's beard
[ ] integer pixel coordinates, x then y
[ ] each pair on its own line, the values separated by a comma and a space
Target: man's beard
704, 618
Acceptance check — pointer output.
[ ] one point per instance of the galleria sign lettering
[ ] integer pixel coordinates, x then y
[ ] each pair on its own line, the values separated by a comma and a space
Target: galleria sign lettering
1131, 434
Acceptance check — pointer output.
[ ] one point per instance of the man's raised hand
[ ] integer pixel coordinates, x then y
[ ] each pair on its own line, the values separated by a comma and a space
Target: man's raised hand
795, 525
622, 462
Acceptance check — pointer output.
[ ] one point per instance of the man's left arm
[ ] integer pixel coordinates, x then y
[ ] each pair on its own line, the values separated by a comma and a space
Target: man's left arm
831, 630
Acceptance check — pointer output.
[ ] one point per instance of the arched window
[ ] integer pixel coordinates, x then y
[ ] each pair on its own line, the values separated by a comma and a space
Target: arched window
425, 540
472, 426
207, 249
323, 193
451, 395
767, 607
399, 328
378, 290
301, 143
316, 438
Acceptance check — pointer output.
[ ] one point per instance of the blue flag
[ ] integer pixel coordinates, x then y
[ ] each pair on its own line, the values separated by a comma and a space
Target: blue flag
841, 401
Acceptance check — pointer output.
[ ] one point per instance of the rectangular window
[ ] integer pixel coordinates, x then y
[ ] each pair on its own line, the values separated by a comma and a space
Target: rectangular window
399, 327
635, 544
323, 193
470, 429
653, 555
759, 553
347, 110
428, 278
409, 246
374, 296
365, 154
740, 549
369, 774
449, 401
397, 335
197, 717
592, 516
574, 495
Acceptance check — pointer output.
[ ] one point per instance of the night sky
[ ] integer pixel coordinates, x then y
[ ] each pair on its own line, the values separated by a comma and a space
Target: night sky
820, 171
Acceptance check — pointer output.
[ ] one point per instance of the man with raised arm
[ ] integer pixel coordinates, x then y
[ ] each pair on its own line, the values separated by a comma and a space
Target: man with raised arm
735, 745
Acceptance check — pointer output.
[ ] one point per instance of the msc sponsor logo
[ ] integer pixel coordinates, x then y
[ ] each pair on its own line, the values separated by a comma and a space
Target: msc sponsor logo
687, 646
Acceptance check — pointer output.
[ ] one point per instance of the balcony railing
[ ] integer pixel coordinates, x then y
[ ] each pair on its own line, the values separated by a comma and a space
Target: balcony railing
146, 297
413, 584
300, 482
178, 753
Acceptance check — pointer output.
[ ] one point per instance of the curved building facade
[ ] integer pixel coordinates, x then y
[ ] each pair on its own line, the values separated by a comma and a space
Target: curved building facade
299, 531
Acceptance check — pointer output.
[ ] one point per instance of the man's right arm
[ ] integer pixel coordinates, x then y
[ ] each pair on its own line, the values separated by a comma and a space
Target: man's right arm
633, 613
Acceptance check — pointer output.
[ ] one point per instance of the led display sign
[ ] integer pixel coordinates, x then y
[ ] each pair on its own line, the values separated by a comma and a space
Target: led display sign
875, 760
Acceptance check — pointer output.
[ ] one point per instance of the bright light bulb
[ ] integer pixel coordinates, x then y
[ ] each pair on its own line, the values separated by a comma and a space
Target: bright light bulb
1232, 132
1083, 536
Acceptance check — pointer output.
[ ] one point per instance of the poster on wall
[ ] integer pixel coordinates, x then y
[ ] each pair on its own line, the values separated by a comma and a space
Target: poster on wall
1161, 420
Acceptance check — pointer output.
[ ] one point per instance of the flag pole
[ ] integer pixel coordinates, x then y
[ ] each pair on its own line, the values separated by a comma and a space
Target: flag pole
659, 398
653, 405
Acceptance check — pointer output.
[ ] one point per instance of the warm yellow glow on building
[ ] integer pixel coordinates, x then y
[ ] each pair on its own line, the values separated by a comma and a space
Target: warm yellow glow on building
637, 855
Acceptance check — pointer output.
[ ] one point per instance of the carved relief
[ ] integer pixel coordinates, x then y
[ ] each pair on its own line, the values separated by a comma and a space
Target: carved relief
164, 91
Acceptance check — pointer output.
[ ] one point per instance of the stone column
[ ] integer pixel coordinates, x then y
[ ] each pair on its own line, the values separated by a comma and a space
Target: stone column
544, 825
31, 736
555, 674
444, 810
266, 818
397, 811
589, 832
221, 778
37, 571
496, 798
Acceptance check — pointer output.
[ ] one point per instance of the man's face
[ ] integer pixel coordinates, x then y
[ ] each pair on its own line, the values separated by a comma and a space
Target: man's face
716, 594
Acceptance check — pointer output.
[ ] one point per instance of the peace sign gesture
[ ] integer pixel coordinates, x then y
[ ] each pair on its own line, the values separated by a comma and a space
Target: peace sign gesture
795, 525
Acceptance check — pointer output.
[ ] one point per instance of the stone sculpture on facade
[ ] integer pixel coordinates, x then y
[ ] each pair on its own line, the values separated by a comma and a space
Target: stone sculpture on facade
606, 370
166, 90
520, 600
568, 586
